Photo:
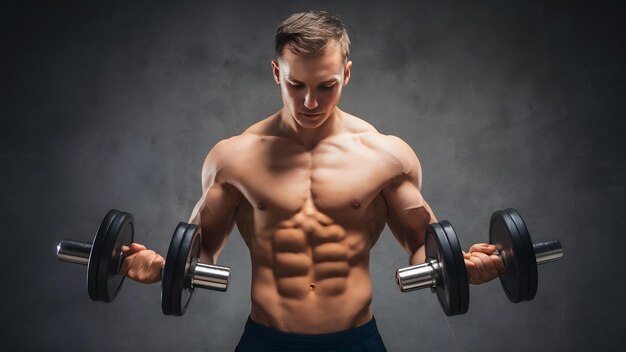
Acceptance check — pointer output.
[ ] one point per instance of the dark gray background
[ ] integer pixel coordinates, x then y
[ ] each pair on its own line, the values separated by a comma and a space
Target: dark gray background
506, 104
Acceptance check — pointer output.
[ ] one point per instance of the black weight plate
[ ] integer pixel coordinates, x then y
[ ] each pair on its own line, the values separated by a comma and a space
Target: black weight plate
109, 278
503, 233
183, 253
529, 251
168, 269
447, 288
461, 270
103, 278
92, 265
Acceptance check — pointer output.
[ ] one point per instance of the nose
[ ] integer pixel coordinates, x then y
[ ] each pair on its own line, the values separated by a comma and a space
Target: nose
310, 101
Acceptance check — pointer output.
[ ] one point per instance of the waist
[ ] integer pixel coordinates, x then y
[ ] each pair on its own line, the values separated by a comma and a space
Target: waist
297, 341
330, 306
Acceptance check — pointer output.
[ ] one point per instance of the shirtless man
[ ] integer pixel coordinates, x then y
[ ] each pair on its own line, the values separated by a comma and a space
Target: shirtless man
311, 188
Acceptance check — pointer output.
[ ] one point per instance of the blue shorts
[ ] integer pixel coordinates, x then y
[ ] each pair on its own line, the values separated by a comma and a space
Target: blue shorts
364, 338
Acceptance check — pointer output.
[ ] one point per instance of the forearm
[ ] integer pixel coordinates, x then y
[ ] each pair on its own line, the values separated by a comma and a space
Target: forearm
206, 255
418, 255
213, 230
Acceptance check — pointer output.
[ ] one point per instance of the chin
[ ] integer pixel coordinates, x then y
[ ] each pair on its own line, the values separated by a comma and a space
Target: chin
304, 123
310, 121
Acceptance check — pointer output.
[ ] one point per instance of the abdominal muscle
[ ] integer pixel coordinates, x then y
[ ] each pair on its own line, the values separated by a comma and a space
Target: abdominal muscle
310, 275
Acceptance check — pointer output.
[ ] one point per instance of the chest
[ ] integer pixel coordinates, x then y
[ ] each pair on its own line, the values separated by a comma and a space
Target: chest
335, 176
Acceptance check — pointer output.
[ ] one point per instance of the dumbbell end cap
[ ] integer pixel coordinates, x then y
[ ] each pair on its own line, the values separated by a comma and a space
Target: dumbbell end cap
548, 251
212, 277
416, 277
74, 252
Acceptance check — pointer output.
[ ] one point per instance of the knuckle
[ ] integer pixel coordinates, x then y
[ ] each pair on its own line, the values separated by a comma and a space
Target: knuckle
131, 274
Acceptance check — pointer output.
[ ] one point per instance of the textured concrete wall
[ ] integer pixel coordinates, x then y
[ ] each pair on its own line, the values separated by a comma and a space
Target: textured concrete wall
506, 105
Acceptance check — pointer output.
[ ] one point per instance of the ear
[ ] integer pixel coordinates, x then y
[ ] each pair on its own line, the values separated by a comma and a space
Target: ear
276, 71
346, 73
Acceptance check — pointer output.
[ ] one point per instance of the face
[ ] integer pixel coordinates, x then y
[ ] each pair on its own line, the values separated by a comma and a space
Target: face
311, 86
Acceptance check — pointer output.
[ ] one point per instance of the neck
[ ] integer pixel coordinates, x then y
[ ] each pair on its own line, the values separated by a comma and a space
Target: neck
310, 137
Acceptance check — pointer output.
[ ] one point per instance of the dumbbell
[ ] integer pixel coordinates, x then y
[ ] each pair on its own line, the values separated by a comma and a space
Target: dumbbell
180, 276
444, 270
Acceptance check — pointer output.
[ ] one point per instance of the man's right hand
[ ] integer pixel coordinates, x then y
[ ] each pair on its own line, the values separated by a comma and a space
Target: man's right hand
141, 264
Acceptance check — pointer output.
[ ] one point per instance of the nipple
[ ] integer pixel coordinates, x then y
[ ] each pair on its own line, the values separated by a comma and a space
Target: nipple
355, 204
261, 206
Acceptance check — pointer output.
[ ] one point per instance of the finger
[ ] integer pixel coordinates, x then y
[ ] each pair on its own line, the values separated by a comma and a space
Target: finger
472, 271
498, 263
466, 255
480, 268
490, 270
137, 247
477, 247
483, 248
133, 248
144, 273
155, 268
127, 264
160, 261
143, 267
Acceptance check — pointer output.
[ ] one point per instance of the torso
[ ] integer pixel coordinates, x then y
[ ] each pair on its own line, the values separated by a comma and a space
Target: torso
309, 217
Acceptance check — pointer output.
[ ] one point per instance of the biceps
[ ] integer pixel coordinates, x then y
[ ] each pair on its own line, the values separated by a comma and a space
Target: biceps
215, 214
408, 214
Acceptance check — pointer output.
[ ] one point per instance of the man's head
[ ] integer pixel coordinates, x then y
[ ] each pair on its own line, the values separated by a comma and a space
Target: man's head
312, 65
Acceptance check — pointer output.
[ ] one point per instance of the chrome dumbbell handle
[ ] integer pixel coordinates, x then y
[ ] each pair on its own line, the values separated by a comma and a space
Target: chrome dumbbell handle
424, 275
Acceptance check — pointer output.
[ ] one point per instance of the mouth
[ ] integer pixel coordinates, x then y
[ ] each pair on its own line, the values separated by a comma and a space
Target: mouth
311, 115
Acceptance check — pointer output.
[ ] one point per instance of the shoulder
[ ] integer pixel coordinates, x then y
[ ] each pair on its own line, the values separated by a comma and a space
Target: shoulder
398, 157
392, 149
398, 152
222, 159
223, 151
226, 150
406, 165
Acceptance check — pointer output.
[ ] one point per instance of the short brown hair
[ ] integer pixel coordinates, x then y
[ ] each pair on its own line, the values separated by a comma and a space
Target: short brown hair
309, 33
